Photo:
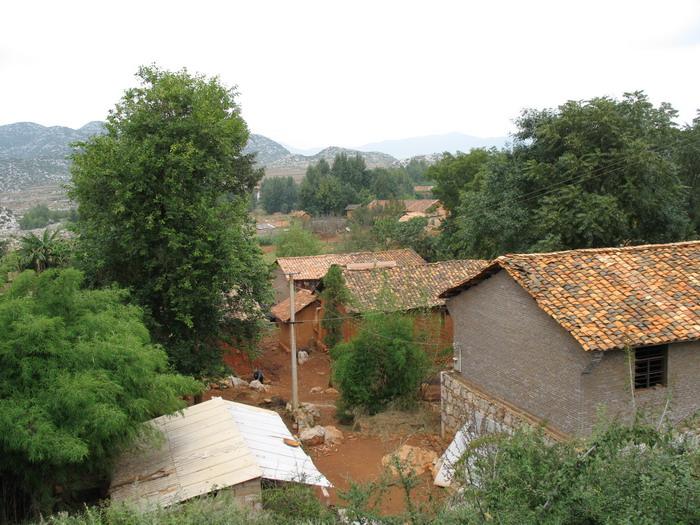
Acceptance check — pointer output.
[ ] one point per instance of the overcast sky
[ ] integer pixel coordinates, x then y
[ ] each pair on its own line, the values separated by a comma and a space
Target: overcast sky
350, 72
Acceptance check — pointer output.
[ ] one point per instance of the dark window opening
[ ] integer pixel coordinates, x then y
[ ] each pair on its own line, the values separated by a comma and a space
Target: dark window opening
650, 366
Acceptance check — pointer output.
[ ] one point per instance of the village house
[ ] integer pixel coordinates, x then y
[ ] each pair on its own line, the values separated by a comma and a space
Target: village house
411, 289
213, 446
308, 271
554, 338
432, 209
306, 313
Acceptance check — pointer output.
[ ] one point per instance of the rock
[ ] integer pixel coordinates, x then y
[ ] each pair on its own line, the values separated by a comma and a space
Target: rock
257, 386
331, 391
333, 436
313, 436
416, 459
302, 357
316, 390
305, 416
237, 382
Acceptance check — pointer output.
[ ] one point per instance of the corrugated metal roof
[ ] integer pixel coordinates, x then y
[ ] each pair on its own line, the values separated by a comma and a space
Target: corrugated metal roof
210, 446
264, 436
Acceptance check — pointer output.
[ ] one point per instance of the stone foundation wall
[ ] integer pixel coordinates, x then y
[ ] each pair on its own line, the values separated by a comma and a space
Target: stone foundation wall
462, 402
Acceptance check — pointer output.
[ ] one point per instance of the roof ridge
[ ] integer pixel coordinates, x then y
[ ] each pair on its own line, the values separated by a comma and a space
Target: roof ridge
366, 252
607, 249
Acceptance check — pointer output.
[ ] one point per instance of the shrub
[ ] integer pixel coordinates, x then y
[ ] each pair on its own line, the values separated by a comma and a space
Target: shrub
621, 474
297, 241
383, 363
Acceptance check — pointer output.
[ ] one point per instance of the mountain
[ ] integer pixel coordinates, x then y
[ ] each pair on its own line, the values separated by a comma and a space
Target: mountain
295, 165
414, 146
267, 150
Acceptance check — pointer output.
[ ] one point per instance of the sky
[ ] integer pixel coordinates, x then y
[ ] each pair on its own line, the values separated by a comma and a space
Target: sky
346, 73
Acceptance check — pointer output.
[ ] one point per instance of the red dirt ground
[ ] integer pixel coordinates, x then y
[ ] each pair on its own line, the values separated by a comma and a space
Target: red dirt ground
359, 457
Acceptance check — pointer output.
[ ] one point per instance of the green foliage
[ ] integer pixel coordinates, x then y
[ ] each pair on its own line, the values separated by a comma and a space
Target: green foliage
597, 173
688, 156
296, 503
45, 251
383, 363
323, 192
379, 228
162, 199
78, 376
41, 216
622, 474
335, 295
296, 241
390, 184
278, 194
216, 510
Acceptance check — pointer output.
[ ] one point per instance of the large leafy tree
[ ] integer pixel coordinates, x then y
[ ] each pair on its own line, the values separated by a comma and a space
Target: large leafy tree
162, 201
278, 194
78, 376
588, 174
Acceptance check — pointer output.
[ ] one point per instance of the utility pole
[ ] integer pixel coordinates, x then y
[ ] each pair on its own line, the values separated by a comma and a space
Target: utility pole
293, 341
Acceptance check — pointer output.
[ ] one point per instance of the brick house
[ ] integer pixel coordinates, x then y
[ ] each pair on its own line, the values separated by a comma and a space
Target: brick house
410, 289
306, 311
555, 337
309, 270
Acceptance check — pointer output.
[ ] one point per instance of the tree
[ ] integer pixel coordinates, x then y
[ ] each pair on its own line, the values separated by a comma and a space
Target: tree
588, 174
296, 241
78, 377
689, 161
278, 194
390, 184
335, 295
162, 199
457, 173
42, 252
383, 363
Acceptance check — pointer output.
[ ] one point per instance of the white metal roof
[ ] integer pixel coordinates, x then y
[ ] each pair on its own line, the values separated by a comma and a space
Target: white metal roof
264, 436
206, 447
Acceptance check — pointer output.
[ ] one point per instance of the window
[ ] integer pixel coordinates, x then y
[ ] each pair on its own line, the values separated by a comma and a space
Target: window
650, 366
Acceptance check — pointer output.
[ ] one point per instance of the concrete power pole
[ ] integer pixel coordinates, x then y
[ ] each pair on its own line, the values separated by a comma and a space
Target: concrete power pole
293, 340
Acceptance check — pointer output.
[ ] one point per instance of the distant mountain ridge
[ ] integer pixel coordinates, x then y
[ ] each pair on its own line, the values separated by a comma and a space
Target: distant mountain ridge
431, 144
33, 155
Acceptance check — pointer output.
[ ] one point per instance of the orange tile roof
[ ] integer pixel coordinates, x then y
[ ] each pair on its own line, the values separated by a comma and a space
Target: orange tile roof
315, 267
302, 299
409, 287
612, 297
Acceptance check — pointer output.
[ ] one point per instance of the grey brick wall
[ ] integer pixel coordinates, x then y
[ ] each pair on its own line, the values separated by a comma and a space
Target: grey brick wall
512, 349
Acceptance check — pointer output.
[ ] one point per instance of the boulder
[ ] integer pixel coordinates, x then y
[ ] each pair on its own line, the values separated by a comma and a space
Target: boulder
305, 416
237, 382
331, 391
333, 436
302, 357
316, 390
313, 436
416, 459
257, 386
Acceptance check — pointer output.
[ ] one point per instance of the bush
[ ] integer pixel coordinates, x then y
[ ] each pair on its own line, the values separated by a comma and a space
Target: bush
297, 241
296, 503
622, 474
41, 216
383, 363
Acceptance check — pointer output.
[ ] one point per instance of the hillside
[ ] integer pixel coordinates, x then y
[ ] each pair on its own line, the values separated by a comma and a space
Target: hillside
33, 155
